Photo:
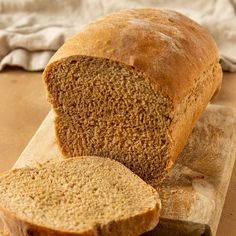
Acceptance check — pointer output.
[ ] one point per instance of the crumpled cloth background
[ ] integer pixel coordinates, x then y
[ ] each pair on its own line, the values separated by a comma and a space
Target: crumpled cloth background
31, 31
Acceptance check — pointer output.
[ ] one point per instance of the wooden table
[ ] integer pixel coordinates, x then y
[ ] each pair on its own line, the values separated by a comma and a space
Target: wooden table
23, 107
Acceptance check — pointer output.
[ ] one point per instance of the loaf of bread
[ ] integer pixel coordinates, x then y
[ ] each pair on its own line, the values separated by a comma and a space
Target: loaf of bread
131, 86
79, 196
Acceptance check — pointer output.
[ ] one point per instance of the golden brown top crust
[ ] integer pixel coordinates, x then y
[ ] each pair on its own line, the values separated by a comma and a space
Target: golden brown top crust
169, 48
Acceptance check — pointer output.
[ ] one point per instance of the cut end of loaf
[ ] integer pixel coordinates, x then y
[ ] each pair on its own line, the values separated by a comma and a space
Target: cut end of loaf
84, 196
108, 109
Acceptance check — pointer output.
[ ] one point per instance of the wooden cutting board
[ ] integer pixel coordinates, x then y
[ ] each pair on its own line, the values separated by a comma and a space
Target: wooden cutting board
193, 194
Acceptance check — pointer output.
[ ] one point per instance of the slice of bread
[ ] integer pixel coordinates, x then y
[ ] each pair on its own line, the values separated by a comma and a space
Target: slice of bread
77, 196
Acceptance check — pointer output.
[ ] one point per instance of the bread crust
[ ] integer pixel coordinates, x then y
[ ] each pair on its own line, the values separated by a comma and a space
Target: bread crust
171, 49
19, 227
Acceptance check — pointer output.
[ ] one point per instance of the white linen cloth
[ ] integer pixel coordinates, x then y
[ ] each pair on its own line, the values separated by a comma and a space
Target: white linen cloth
32, 30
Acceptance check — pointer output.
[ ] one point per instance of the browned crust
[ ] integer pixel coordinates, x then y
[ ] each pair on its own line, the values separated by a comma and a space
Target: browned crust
185, 121
168, 47
133, 226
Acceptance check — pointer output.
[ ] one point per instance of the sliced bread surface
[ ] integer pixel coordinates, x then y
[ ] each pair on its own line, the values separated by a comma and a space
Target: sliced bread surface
78, 196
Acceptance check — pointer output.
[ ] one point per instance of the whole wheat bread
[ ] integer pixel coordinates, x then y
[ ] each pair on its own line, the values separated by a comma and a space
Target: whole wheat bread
131, 86
78, 196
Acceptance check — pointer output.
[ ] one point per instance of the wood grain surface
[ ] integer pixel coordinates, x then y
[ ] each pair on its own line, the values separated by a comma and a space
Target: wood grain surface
23, 106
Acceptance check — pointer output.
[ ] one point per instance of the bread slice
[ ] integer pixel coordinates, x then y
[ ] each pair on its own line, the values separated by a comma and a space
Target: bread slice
78, 196
131, 87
